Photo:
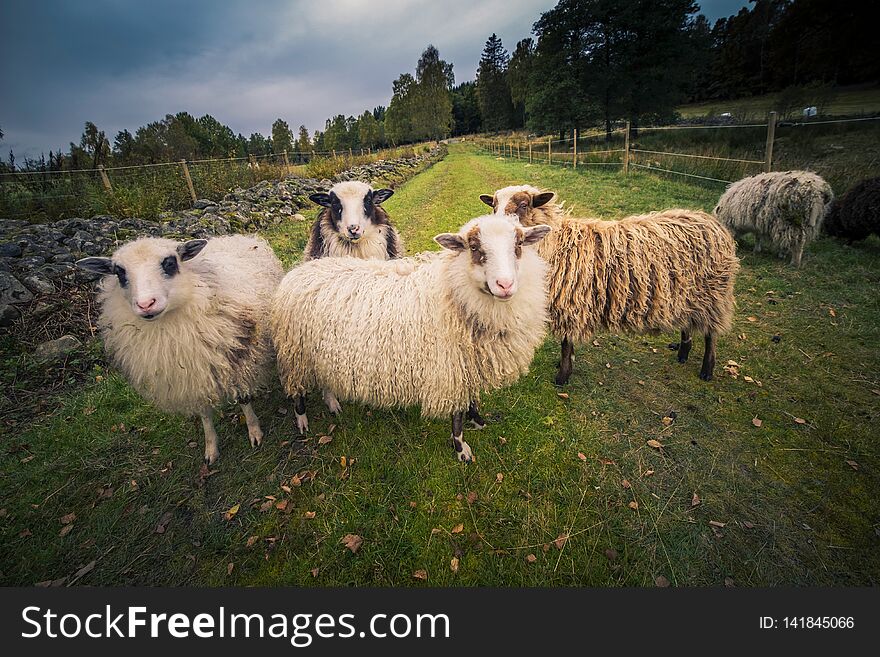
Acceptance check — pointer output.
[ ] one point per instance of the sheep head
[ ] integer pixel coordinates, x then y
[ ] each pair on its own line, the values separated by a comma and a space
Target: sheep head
519, 201
491, 248
353, 208
147, 273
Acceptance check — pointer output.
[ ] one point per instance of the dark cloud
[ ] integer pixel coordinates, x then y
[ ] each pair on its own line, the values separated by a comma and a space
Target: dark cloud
123, 64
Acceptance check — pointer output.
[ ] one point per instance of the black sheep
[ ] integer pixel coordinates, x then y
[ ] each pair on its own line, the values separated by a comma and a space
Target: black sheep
856, 214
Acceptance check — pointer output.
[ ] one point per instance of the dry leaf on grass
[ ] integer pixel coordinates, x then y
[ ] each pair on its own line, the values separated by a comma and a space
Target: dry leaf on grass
625, 483
695, 500
68, 518
633, 505
582, 456
231, 512
421, 574
560, 541
308, 515
531, 558
229, 568
472, 497
66, 530
458, 529
352, 541
656, 444
661, 582
852, 464
314, 572
800, 420
85, 570
757, 422
251, 540
748, 525
716, 523
162, 525
453, 564
323, 440
562, 395
283, 506
499, 477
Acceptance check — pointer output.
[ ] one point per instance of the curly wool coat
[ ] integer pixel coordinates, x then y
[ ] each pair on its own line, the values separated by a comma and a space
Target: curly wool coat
856, 215
434, 339
785, 207
214, 344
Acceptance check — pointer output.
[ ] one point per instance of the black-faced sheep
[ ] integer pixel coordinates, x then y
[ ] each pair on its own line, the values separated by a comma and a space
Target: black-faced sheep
665, 271
353, 223
784, 207
445, 326
856, 215
185, 323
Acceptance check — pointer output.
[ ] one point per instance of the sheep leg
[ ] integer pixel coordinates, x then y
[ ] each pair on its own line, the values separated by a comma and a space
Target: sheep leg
684, 347
564, 372
708, 358
332, 403
302, 422
462, 449
255, 433
473, 414
797, 250
211, 451
757, 248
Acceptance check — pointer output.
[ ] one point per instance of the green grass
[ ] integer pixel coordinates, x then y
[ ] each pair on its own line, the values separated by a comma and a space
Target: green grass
794, 511
845, 101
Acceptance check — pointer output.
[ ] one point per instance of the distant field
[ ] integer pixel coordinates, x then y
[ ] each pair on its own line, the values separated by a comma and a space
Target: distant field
847, 101
565, 490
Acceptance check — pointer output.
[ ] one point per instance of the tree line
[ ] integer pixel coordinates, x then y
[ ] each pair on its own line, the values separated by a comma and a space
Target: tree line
587, 63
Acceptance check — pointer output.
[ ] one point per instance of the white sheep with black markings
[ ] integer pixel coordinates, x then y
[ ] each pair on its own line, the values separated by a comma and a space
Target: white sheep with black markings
185, 323
785, 208
442, 327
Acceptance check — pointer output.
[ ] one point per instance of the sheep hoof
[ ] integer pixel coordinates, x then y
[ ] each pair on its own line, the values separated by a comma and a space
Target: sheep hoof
332, 403
302, 423
463, 451
256, 437
211, 457
562, 379
706, 376
682, 359
477, 424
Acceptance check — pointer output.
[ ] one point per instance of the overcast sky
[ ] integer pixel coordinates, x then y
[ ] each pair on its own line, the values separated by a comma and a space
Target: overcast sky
123, 64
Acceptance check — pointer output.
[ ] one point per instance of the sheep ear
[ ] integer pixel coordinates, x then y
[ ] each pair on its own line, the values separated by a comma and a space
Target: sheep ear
542, 199
97, 265
189, 250
320, 198
451, 241
381, 195
488, 200
535, 234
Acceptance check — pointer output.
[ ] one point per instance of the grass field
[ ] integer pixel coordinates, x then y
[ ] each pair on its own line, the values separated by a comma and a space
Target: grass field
565, 490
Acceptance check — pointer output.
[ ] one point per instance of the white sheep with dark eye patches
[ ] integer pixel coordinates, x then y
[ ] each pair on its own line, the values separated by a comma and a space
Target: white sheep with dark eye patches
353, 223
185, 323
443, 327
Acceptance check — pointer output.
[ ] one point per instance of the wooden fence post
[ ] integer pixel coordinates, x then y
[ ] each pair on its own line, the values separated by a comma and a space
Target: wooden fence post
312, 157
771, 136
575, 148
286, 163
626, 151
530, 151
350, 154
549, 150
189, 182
104, 178
253, 162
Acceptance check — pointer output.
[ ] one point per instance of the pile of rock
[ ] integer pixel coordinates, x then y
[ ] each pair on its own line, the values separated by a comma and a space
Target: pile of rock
36, 259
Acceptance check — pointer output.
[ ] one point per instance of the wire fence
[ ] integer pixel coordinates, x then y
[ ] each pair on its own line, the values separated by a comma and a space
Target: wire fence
711, 153
147, 190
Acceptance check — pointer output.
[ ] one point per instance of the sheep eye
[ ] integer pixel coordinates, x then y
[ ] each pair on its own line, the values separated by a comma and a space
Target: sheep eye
169, 266
120, 274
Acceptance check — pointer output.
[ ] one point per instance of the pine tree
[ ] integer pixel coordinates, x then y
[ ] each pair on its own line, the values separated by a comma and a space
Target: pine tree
493, 89
282, 138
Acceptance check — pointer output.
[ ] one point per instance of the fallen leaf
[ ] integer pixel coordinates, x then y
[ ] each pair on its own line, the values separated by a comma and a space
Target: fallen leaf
661, 582
230, 513
625, 483
499, 477
831, 311
728, 582
748, 525
2, 513
251, 540
458, 529
852, 464
66, 530
85, 570
582, 456
265, 506
648, 473
472, 497
88, 410
695, 500
800, 420
421, 574
562, 395
323, 440
656, 444
229, 568
633, 505
343, 462
752, 319
162, 525
560, 541
67, 519
296, 481
353, 542
716, 523
308, 515
314, 572
502, 440
26, 459
756, 422
531, 558
666, 421
453, 564
282, 505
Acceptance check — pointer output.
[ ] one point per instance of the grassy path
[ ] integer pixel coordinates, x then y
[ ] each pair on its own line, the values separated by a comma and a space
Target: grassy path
565, 491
